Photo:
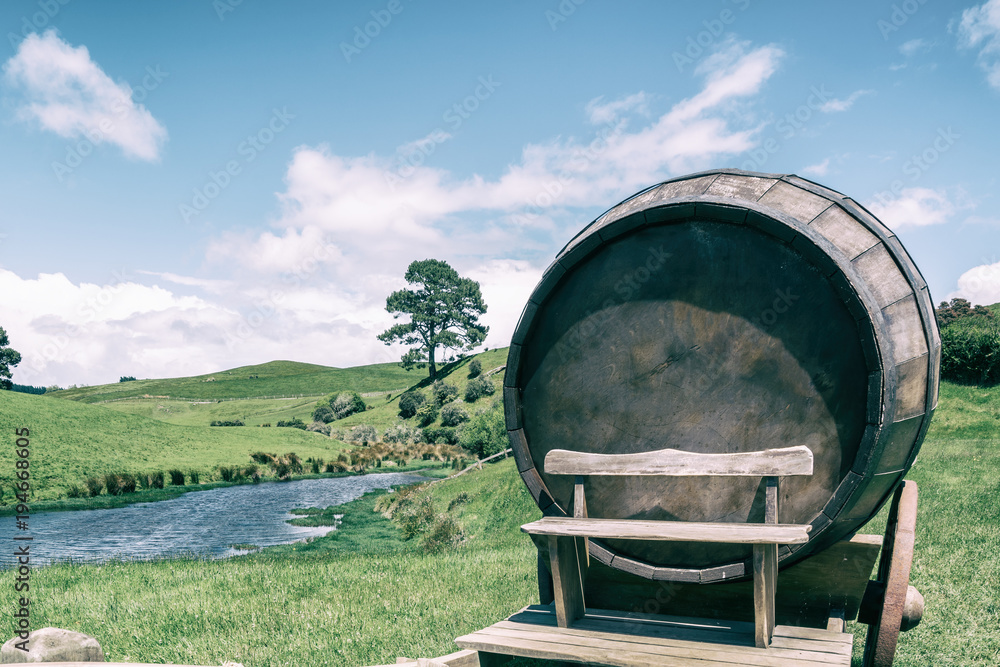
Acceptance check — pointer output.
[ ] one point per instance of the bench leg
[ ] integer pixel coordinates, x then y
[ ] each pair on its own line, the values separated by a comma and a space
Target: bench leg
567, 580
765, 566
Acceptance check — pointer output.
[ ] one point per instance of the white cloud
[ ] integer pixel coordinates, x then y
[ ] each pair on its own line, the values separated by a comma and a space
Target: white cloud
837, 105
980, 285
980, 28
915, 46
68, 93
602, 113
914, 207
818, 169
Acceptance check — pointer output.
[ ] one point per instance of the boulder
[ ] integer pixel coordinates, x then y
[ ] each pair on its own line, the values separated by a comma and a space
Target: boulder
53, 645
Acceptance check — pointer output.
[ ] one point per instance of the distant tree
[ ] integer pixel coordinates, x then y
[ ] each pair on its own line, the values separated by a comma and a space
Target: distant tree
475, 368
444, 312
409, 402
127, 378
8, 359
959, 309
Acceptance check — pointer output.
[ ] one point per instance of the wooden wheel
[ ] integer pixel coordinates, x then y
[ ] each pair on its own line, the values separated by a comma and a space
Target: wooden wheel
893, 577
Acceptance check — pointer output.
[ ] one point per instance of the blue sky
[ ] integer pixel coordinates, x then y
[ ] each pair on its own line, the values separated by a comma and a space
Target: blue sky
195, 185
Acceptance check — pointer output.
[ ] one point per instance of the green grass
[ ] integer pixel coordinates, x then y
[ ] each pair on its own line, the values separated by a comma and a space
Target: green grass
252, 411
71, 441
362, 595
273, 379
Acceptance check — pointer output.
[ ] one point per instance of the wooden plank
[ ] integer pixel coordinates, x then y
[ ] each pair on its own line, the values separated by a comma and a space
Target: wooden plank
796, 460
567, 581
580, 512
678, 531
796, 202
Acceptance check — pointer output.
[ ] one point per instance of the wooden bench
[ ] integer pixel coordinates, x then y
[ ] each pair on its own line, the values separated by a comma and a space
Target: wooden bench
568, 547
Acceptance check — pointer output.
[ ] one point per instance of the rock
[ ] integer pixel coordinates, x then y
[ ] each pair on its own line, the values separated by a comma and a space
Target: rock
53, 645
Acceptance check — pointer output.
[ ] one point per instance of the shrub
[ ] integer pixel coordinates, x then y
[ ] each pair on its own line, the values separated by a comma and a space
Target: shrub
401, 433
264, 458
294, 462
444, 533
230, 422
283, 471
475, 368
94, 486
414, 514
347, 403
292, 423
75, 491
409, 403
486, 432
427, 413
127, 482
440, 436
443, 392
194, 477
317, 466
157, 480
323, 413
176, 477
478, 388
363, 433
112, 484
336, 466
226, 473
453, 415
970, 351
251, 472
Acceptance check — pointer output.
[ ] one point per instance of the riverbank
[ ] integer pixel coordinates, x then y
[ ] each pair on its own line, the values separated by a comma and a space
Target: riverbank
435, 470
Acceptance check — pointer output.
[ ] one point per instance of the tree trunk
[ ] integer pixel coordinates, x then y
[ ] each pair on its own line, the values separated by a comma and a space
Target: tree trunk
430, 362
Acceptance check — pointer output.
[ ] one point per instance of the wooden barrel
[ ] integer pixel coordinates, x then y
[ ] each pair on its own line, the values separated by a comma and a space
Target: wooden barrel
726, 311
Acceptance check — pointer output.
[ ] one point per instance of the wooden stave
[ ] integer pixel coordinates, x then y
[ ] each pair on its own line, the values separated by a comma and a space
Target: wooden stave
863, 491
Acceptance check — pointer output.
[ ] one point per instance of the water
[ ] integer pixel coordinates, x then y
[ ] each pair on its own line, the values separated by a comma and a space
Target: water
201, 522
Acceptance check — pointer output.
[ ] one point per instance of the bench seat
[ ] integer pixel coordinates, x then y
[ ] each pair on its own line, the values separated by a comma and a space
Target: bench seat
678, 531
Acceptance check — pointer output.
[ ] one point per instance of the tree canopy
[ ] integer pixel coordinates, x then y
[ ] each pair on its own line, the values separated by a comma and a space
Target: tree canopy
444, 312
8, 359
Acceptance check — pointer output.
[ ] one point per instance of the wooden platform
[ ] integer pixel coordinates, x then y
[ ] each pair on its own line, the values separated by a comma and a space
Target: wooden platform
624, 639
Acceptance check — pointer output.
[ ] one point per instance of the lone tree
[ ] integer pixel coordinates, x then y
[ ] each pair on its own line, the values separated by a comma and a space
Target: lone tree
444, 312
8, 359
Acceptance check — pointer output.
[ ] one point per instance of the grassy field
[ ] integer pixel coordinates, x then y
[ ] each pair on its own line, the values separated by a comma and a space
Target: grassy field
364, 596
276, 378
71, 441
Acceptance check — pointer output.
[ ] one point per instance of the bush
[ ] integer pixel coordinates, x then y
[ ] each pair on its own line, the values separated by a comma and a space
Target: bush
264, 458
94, 486
324, 414
157, 480
347, 403
317, 466
443, 392
475, 368
226, 473
970, 351
401, 434
112, 484
176, 477
486, 432
336, 466
440, 436
363, 433
283, 471
478, 388
127, 482
427, 413
409, 403
75, 491
453, 415
194, 477
414, 514
444, 533
293, 423
230, 422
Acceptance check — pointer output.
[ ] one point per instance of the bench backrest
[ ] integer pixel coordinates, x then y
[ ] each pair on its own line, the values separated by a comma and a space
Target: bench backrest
796, 460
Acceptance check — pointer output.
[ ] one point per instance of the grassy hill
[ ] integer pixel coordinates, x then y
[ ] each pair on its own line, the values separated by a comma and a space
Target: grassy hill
71, 441
275, 378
